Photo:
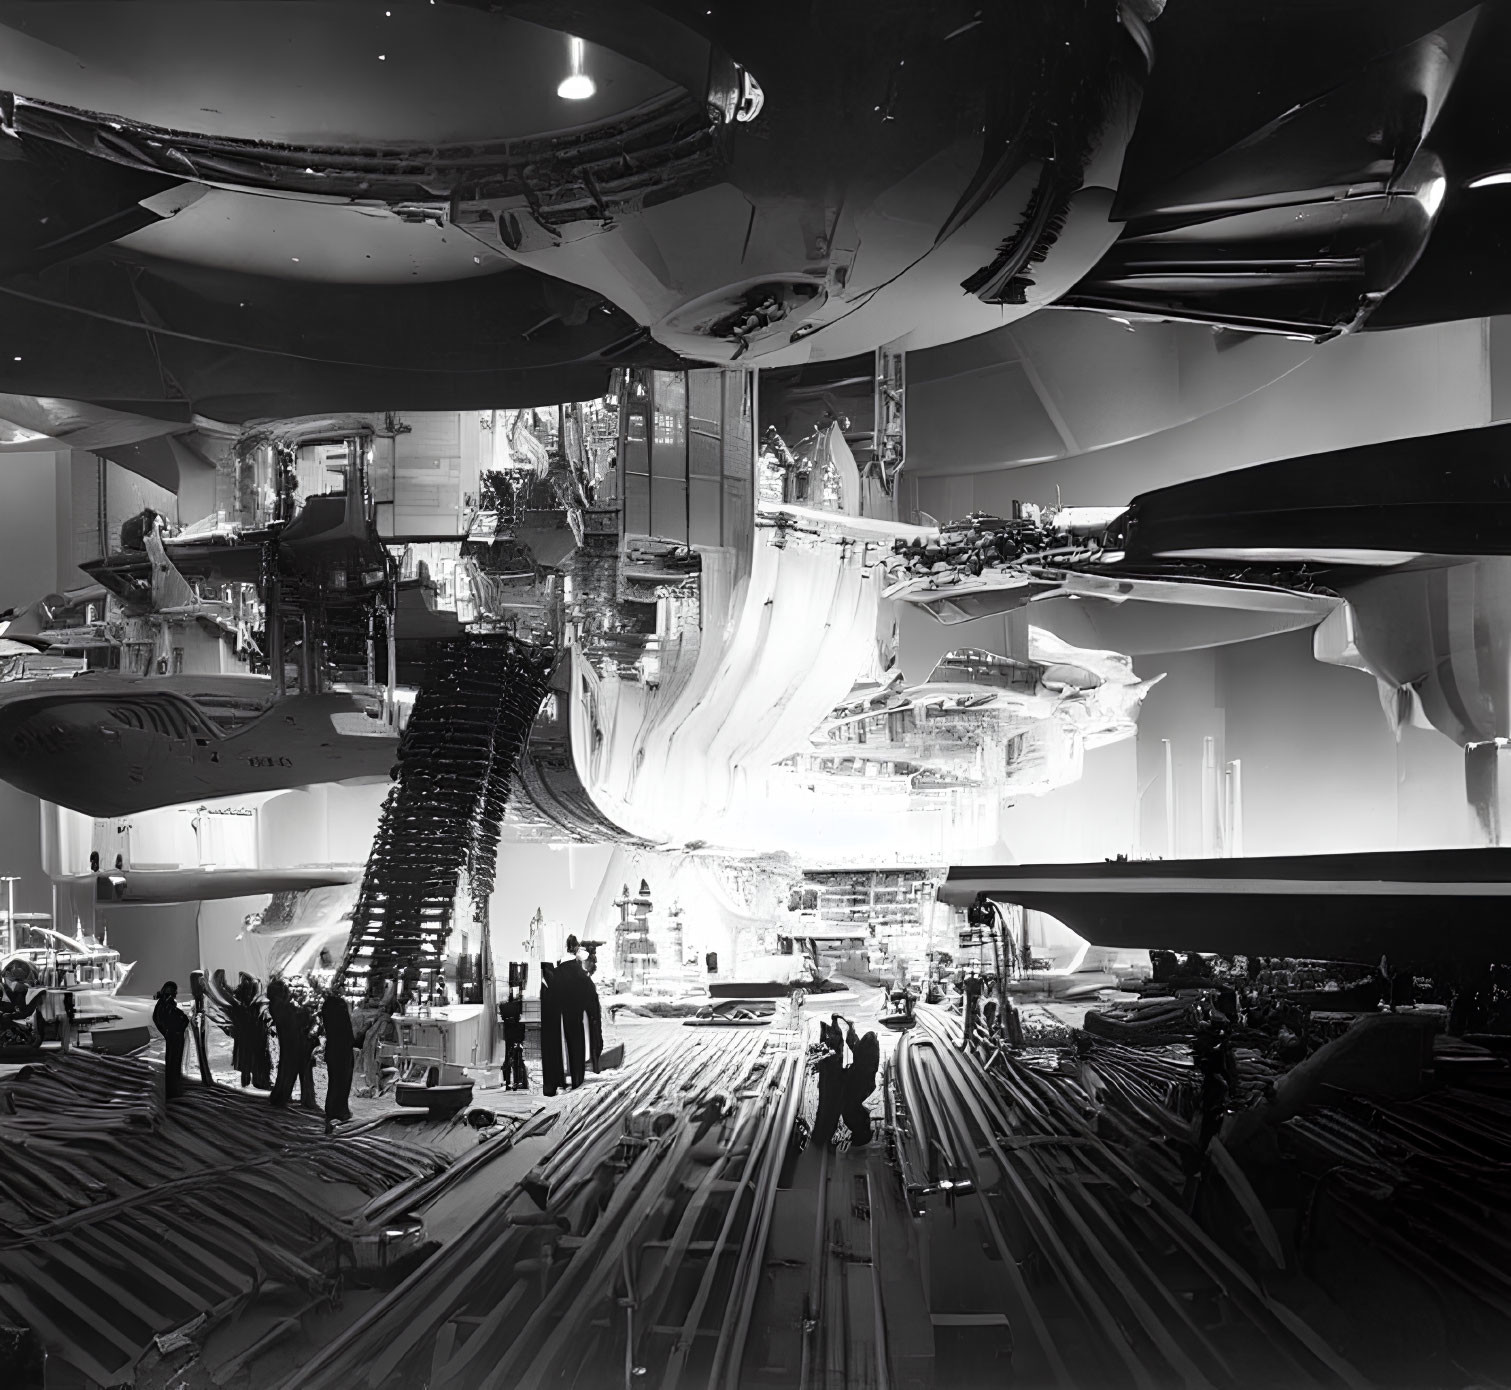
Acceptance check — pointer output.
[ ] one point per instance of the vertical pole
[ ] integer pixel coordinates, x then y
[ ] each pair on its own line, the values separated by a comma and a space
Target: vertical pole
753, 463
102, 501
317, 648
1235, 817
393, 662
10, 915
1209, 806
1225, 823
273, 618
997, 954
1170, 849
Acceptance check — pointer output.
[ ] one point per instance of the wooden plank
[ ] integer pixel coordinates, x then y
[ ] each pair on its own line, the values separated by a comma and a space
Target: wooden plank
70, 1299
66, 1348
485, 1330
92, 1272
197, 1299
1229, 1171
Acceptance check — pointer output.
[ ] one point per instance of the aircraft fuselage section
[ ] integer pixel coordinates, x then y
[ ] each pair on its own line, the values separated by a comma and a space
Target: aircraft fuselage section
112, 752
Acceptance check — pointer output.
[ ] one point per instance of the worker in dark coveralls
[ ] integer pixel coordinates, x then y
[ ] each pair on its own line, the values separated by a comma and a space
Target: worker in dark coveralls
250, 1053
858, 1083
972, 988
340, 1063
169, 1020
512, 1012
571, 1024
553, 1071
829, 1068
296, 1048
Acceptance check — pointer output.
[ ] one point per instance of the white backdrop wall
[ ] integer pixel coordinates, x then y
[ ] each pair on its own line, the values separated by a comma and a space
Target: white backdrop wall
1321, 769
224, 941
327, 824
221, 834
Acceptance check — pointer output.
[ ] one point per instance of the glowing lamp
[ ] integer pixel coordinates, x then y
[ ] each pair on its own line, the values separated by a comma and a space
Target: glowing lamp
577, 85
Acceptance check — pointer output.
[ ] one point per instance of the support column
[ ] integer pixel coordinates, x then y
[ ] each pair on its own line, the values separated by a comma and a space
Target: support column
1210, 806
272, 598
1171, 850
1487, 781
1233, 824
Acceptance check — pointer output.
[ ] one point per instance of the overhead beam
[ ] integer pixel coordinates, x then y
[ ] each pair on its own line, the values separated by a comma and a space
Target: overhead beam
1423, 906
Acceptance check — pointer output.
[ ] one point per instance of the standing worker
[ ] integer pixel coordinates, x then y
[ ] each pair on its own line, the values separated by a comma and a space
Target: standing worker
296, 1048
251, 1055
340, 1062
576, 999
829, 1066
553, 1071
170, 1022
512, 1013
971, 988
859, 1082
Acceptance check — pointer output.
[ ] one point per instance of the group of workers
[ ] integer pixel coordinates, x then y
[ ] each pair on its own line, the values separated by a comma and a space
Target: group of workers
844, 1089
254, 1018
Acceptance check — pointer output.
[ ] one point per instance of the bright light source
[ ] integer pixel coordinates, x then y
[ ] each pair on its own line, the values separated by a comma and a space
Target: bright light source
577, 85
752, 98
1431, 196
1492, 180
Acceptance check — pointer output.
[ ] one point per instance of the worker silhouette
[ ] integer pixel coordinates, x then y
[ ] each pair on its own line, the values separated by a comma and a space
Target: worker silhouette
858, 1083
250, 1053
340, 1059
512, 1014
296, 1048
829, 1068
170, 1021
571, 1023
972, 989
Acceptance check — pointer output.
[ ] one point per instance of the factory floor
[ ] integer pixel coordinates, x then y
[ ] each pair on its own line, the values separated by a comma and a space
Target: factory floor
1003, 1226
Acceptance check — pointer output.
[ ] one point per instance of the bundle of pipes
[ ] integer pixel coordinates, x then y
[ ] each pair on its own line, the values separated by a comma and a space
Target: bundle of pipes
120, 1229
1157, 1020
77, 1171
1427, 1181
978, 544
1145, 1100
458, 754
1081, 1233
1158, 1081
563, 1275
114, 1092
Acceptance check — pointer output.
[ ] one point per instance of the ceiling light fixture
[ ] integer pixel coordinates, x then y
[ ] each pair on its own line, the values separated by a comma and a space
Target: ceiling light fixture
1492, 180
577, 85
